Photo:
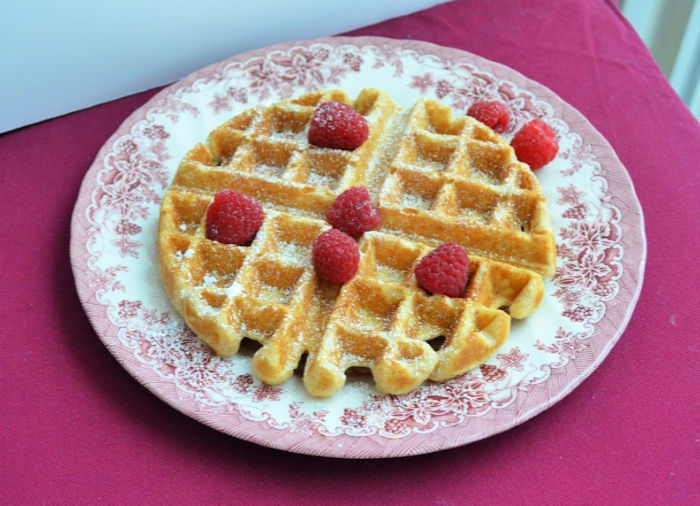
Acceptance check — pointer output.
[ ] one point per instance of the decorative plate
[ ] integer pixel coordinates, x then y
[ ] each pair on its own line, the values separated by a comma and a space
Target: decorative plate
595, 213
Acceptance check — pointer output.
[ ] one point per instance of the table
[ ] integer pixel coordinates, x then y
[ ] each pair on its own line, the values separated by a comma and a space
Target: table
78, 429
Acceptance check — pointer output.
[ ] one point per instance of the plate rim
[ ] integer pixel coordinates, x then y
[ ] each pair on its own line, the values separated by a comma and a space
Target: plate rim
168, 393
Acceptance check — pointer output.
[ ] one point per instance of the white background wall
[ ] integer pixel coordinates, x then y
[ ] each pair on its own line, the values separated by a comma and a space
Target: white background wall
60, 56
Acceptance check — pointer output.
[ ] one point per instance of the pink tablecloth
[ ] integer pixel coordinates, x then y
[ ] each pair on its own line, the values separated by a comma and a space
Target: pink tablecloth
79, 430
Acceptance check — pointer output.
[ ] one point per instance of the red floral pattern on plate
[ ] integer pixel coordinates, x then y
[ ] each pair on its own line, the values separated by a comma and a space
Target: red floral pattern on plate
114, 258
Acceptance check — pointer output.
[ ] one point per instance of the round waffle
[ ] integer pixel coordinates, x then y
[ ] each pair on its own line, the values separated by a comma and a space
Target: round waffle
434, 178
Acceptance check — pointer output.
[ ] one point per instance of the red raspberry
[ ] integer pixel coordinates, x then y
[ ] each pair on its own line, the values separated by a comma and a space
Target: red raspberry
353, 212
233, 218
445, 270
337, 125
535, 144
492, 114
335, 256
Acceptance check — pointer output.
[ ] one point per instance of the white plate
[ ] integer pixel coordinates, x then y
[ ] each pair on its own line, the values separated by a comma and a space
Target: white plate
595, 213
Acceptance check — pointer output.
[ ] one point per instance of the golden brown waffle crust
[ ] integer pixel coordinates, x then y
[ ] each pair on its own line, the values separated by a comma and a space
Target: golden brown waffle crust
434, 178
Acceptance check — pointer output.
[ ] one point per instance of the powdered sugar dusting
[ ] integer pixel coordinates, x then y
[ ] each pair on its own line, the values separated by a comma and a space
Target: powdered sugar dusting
300, 137
295, 253
281, 295
378, 181
272, 171
414, 201
386, 273
428, 165
473, 215
234, 289
209, 279
318, 179
180, 256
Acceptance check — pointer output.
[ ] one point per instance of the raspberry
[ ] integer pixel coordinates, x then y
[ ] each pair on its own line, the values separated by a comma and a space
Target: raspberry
335, 256
233, 218
535, 144
337, 125
444, 270
492, 114
353, 212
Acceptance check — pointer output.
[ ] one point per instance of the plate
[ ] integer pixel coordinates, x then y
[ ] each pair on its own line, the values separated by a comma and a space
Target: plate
595, 214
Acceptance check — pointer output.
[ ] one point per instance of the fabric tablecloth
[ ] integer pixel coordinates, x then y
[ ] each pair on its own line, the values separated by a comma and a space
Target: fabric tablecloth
78, 429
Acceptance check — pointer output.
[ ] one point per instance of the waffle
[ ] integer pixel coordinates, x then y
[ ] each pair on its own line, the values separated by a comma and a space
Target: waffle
433, 177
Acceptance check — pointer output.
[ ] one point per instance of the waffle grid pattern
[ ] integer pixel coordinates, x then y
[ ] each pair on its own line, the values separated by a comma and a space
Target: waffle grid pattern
420, 167
455, 179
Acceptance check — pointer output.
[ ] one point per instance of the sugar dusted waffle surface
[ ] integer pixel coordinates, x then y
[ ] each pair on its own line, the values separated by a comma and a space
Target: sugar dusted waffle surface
433, 177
